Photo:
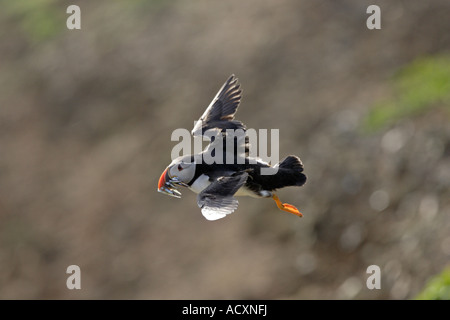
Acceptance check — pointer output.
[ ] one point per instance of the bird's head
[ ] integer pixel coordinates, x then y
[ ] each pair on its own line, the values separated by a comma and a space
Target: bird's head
179, 173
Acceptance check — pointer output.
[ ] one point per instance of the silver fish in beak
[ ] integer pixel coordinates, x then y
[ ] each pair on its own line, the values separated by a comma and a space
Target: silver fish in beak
168, 185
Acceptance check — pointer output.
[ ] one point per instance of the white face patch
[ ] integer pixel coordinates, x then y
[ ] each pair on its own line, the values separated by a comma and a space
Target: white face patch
184, 171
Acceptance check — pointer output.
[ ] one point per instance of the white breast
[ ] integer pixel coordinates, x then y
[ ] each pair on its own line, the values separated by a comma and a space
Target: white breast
244, 191
201, 183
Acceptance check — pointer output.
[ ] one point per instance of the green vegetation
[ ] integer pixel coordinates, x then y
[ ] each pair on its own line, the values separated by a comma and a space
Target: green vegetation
42, 20
39, 19
421, 85
438, 288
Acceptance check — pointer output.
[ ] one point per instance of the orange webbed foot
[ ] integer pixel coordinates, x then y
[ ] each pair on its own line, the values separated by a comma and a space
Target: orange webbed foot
286, 206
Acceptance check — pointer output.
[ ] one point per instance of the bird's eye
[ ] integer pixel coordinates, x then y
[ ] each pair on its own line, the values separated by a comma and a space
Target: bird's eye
180, 167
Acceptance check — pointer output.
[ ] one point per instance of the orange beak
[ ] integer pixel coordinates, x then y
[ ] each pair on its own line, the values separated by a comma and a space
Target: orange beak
166, 185
162, 179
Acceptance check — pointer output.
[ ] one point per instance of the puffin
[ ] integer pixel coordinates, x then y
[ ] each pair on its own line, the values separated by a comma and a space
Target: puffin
218, 183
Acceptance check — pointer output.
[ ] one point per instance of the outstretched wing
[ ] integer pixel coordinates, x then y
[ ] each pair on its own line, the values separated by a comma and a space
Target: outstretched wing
221, 110
216, 201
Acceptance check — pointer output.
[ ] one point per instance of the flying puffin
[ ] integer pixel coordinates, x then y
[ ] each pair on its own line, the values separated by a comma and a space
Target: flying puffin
217, 183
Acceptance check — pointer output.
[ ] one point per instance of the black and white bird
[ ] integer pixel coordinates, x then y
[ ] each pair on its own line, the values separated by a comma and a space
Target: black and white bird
217, 184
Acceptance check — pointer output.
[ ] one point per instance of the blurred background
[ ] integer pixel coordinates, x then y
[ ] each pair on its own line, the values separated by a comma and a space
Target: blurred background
86, 118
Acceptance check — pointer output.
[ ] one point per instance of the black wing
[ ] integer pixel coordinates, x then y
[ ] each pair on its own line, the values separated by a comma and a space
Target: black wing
216, 200
221, 110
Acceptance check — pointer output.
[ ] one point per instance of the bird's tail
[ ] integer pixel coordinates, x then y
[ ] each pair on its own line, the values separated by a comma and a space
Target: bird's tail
290, 172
